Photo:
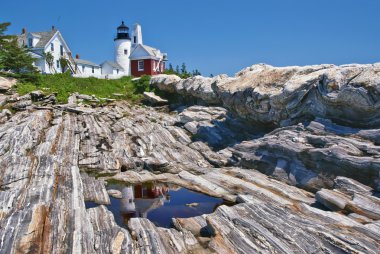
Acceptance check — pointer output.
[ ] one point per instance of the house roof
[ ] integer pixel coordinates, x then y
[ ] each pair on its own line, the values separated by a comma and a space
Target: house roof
34, 55
85, 62
113, 65
150, 52
44, 38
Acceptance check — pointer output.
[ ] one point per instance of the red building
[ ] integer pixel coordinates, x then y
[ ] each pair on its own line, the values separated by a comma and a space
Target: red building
146, 60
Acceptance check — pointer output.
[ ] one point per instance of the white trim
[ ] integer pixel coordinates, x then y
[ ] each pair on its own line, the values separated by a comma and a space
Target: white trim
138, 65
58, 33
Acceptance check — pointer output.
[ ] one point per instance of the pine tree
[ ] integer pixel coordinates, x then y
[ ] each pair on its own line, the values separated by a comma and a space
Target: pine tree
183, 69
171, 68
177, 70
16, 59
12, 57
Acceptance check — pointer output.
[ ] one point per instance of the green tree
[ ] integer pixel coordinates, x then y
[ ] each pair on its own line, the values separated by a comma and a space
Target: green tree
183, 69
177, 70
12, 57
49, 59
171, 69
64, 64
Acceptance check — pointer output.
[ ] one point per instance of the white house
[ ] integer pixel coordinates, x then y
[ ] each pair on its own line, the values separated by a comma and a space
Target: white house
87, 68
42, 43
112, 68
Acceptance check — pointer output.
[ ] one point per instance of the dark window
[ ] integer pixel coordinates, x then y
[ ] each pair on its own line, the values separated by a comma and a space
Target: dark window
140, 65
30, 42
61, 49
82, 68
125, 51
117, 71
57, 63
134, 39
92, 69
52, 46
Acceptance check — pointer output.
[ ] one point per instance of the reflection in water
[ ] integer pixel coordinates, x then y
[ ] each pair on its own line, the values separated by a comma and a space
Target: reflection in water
159, 203
138, 200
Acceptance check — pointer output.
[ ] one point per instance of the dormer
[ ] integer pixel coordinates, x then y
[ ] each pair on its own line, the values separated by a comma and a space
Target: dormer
32, 40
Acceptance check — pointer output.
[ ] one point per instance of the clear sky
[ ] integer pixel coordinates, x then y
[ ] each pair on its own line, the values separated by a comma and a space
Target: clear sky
214, 36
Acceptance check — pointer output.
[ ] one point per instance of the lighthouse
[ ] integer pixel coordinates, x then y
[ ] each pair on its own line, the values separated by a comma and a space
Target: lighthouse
123, 48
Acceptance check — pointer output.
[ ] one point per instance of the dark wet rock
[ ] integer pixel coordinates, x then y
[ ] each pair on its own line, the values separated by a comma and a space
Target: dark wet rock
37, 95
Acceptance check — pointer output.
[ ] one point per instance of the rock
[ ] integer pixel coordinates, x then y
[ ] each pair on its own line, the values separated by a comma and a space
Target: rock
351, 186
192, 204
282, 96
311, 158
37, 95
153, 99
367, 206
6, 84
332, 199
22, 104
195, 87
49, 156
115, 193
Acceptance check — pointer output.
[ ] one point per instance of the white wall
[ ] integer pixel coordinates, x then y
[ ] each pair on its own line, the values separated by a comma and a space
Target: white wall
57, 42
88, 70
120, 57
107, 69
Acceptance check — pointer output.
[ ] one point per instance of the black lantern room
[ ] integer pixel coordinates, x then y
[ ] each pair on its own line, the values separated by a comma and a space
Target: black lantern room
122, 32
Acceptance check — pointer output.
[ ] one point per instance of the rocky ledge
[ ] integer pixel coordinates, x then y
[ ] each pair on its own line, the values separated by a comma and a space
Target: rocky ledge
282, 96
310, 186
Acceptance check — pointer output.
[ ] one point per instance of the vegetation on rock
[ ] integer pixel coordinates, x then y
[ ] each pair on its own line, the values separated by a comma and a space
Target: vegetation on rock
65, 84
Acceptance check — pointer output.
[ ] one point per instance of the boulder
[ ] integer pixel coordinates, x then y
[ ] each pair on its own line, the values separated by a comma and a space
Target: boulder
153, 99
37, 95
115, 193
332, 199
6, 83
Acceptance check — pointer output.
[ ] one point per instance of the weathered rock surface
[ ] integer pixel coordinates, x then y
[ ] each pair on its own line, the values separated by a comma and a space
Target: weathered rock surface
286, 95
153, 99
311, 155
6, 83
197, 88
55, 161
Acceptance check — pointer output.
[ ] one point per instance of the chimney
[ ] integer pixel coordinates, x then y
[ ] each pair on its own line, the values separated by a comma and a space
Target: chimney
53, 28
77, 56
23, 31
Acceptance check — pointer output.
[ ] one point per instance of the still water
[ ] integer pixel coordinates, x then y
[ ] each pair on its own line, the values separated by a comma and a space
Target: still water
159, 203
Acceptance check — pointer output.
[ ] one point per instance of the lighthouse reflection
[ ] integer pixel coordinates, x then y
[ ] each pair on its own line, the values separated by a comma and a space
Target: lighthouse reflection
159, 202
138, 200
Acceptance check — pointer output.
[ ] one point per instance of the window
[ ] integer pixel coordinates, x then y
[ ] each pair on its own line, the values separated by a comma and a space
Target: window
140, 65
125, 51
57, 64
134, 39
117, 71
30, 42
52, 46
82, 68
61, 49
92, 69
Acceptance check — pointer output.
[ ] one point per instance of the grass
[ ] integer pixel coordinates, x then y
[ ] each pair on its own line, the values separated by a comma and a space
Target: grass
65, 84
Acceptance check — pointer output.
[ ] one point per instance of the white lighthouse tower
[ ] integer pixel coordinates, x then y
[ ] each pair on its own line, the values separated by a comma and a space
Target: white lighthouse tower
123, 48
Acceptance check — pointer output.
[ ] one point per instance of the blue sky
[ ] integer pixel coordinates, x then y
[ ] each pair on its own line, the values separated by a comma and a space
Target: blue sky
214, 36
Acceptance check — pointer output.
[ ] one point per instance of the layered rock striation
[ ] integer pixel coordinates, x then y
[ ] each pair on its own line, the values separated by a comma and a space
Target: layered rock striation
282, 96
309, 186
